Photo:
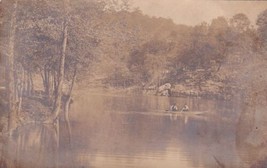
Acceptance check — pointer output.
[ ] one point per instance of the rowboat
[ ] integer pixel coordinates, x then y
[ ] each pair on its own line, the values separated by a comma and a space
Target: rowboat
162, 112
186, 112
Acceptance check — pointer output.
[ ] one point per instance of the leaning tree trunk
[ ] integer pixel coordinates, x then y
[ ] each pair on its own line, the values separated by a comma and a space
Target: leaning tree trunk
61, 71
10, 72
68, 103
28, 84
31, 83
57, 104
20, 91
66, 116
47, 83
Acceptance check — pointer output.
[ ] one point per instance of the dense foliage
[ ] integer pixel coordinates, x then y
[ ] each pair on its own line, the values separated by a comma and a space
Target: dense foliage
110, 44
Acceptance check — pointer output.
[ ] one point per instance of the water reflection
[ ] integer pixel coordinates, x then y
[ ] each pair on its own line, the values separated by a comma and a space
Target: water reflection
251, 136
110, 132
33, 146
38, 145
109, 139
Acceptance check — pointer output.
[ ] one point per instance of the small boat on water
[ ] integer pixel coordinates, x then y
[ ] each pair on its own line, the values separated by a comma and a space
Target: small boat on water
162, 112
186, 112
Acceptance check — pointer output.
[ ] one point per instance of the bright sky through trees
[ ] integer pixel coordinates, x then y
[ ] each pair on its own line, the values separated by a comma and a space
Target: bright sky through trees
192, 12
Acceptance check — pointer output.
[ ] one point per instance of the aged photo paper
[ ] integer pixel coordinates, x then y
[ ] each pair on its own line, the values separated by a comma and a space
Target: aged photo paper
133, 84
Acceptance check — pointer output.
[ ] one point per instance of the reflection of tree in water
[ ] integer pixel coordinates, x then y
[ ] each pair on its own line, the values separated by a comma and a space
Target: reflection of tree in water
34, 146
251, 134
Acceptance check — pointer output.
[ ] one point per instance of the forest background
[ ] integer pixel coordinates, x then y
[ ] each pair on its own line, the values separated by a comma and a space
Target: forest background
49, 48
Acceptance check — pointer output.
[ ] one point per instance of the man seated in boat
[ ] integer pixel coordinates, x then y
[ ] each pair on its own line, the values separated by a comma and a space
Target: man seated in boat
173, 107
185, 108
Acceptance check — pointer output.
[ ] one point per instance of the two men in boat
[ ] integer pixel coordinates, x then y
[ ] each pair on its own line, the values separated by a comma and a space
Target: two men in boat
175, 108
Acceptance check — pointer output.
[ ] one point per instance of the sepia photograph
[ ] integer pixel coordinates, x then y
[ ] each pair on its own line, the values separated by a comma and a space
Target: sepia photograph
133, 84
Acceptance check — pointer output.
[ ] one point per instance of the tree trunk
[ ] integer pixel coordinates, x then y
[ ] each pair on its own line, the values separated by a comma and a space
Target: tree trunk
16, 81
47, 78
47, 83
55, 83
68, 103
32, 85
20, 91
57, 104
28, 84
52, 84
61, 71
10, 72
25, 83
66, 116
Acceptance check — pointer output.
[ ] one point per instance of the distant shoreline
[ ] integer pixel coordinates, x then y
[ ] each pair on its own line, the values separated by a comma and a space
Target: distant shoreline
207, 94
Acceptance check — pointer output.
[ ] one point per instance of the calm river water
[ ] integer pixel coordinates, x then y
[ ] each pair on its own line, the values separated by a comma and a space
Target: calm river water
109, 131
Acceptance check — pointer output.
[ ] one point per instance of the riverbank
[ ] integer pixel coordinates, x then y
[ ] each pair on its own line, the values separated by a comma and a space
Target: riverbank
209, 90
33, 109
